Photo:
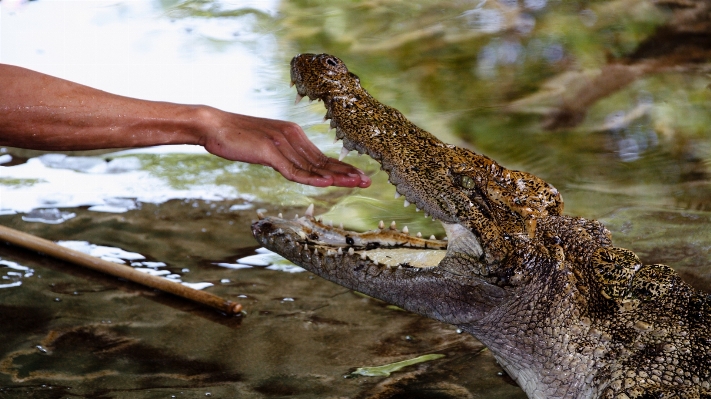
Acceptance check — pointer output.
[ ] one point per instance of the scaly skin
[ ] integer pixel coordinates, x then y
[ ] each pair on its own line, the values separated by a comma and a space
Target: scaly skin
565, 313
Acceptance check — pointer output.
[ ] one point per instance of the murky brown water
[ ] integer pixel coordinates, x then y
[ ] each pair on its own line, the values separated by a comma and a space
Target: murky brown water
510, 79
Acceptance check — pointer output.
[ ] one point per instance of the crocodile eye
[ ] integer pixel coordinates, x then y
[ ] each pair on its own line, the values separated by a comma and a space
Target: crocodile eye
331, 62
467, 182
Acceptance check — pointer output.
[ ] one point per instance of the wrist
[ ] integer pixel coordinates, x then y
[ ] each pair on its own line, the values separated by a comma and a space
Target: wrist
203, 121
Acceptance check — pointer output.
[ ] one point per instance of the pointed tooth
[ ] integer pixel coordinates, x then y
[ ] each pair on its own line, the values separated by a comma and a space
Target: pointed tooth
298, 98
306, 247
340, 251
335, 140
260, 215
405, 230
340, 225
417, 209
432, 237
351, 251
419, 234
397, 195
393, 226
310, 211
291, 84
329, 223
381, 225
426, 215
281, 215
407, 203
362, 255
315, 251
296, 216
329, 253
344, 152
311, 100
325, 118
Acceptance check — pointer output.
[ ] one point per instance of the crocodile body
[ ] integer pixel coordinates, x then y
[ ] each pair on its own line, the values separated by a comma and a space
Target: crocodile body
567, 314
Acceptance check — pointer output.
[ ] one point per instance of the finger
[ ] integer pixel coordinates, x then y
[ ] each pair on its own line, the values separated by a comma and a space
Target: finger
291, 172
343, 174
309, 162
315, 159
290, 164
320, 178
297, 138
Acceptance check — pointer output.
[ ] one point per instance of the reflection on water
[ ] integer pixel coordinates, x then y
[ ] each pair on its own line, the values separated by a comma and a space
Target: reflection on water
608, 101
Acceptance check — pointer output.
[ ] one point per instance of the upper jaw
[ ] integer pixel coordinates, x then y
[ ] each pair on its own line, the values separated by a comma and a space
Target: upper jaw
327, 87
335, 84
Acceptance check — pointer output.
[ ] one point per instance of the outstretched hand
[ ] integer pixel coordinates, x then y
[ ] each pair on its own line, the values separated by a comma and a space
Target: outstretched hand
281, 145
47, 113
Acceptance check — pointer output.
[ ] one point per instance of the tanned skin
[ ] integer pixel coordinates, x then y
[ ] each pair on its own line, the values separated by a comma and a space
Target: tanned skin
43, 112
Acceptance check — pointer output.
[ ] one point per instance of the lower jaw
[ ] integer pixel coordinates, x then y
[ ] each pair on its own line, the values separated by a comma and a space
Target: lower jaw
385, 245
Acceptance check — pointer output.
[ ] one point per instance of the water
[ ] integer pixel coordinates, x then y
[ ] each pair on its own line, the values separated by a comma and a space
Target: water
525, 82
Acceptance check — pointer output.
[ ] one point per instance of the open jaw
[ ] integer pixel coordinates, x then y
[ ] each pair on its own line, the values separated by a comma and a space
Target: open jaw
415, 273
385, 263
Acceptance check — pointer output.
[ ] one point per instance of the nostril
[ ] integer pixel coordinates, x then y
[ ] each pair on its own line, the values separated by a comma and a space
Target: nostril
260, 227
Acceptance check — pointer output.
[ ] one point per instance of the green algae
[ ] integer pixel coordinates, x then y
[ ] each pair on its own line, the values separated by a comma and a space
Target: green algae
208, 9
11, 182
386, 369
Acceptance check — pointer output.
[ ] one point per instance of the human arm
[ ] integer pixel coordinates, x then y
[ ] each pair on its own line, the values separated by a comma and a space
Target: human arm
42, 112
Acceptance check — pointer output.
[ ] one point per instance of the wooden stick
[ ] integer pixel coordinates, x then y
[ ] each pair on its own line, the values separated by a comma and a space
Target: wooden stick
47, 247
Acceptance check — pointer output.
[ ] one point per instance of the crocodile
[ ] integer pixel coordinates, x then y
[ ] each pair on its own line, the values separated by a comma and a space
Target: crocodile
564, 312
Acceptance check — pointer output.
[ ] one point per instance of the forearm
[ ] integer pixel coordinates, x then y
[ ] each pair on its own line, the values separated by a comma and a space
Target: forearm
43, 112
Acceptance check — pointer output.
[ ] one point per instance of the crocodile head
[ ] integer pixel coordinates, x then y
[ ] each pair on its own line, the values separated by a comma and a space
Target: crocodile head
454, 185
563, 311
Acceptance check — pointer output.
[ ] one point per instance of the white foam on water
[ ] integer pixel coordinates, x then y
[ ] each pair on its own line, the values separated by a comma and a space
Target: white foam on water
12, 273
234, 266
48, 216
267, 259
111, 254
59, 182
118, 255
